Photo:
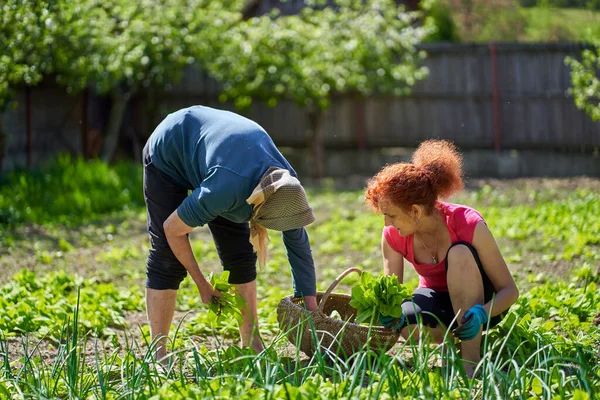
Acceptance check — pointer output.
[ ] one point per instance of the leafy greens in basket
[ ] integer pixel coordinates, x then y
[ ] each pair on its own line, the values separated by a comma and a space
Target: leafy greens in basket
374, 297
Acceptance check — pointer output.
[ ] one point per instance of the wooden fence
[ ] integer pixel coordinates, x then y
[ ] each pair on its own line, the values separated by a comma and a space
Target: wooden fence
501, 96
482, 96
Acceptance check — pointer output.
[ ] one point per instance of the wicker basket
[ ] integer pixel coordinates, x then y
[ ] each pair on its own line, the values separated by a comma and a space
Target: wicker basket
339, 336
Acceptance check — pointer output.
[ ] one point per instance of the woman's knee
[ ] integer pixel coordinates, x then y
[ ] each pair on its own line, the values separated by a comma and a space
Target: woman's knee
460, 254
463, 275
164, 273
241, 270
461, 258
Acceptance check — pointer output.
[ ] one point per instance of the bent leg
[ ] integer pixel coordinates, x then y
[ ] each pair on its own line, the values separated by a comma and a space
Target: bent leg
164, 272
433, 309
160, 307
232, 241
465, 286
249, 331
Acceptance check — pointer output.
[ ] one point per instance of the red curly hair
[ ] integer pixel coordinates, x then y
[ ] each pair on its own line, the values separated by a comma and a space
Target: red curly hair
434, 172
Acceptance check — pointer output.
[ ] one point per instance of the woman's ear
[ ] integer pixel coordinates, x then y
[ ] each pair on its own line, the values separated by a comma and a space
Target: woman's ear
416, 212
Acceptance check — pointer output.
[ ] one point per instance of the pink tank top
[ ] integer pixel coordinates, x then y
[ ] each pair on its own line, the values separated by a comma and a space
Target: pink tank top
460, 221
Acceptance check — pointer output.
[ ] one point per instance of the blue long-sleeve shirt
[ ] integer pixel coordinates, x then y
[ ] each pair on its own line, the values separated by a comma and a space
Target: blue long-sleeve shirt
221, 157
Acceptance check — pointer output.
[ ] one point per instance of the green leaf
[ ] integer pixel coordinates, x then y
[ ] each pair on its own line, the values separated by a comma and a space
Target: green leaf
230, 303
374, 297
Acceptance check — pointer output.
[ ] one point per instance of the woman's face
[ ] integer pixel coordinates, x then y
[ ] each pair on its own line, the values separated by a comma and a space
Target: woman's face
395, 216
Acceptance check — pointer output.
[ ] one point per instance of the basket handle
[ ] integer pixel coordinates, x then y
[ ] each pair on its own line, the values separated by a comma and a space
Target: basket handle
334, 284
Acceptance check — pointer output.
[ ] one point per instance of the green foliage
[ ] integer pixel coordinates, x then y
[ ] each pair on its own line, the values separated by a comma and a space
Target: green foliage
487, 20
555, 314
375, 297
116, 47
444, 29
42, 305
563, 228
104, 45
139, 44
230, 303
357, 47
68, 191
26, 34
546, 347
589, 4
585, 81
545, 24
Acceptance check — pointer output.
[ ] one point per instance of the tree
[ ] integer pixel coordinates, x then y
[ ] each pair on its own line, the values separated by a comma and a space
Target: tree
26, 34
121, 47
585, 78
354, 47
116, 47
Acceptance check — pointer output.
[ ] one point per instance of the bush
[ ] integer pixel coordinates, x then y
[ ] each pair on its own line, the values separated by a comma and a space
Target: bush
585, 81
445, 29
69, 191
487, 20
589, 4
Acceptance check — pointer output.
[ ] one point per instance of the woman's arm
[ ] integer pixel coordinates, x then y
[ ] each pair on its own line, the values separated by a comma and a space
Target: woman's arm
176, 232
496, 269
302, 264
393, 262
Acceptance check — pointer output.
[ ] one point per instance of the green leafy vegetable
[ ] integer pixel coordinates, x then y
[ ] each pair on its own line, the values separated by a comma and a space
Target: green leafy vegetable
230, 302
374, 297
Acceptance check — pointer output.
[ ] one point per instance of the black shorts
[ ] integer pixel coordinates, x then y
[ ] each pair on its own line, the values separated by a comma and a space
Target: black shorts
163, 271
432, 305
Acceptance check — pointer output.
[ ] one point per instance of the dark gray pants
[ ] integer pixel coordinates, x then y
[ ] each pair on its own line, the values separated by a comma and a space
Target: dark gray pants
431, 305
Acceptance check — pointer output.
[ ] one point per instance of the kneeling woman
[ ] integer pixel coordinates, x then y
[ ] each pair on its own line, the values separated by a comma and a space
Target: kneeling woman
461, 271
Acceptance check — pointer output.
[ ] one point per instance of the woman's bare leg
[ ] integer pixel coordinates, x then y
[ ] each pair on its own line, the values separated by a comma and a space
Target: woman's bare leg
465, 286
160, 308
249, 331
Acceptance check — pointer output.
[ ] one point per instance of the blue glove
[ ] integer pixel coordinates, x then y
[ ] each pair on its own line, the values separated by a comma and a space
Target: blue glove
471, 323
390, 322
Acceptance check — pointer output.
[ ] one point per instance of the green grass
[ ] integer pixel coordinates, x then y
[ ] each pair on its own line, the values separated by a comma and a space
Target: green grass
70, 329
546, 24
68, 192
525, 357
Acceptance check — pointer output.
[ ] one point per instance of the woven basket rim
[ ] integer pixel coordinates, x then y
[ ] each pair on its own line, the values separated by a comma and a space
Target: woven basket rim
379, 330
291, 314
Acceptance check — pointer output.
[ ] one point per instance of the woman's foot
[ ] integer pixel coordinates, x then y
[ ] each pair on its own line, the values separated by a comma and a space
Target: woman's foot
257, 345
469, 367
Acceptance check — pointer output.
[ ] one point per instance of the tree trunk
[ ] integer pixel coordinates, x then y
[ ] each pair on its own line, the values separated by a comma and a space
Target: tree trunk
316, 145
119, 99
85, 97
2, 143
149, 110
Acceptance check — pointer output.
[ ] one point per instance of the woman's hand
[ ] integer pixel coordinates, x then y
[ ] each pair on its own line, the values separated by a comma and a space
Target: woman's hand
395, 324
472, 323
310, 302
207, 292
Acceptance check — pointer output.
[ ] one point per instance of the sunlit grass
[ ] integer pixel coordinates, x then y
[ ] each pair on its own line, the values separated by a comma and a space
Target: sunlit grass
68, 336
561, 24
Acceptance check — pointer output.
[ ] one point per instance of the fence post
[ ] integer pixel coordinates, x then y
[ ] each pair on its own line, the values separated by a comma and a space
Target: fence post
495, 98
28, 144
84, 122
